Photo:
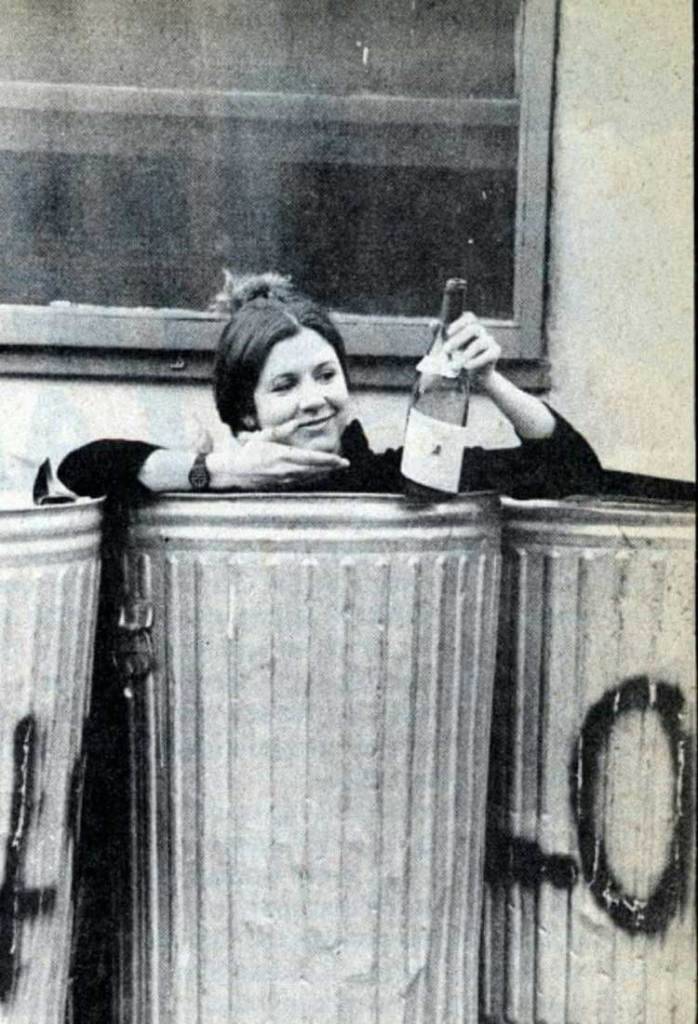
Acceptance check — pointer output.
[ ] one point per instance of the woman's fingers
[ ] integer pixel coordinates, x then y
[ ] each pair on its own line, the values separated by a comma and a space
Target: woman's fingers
203, 441
462, 332
485, 343
278, 461
471, 345
465, 322
267, 458
280, 433
260, 464
308, 457
476, 362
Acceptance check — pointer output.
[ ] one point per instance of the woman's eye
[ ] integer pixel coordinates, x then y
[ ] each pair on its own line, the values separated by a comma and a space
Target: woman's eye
282, 385
328, 375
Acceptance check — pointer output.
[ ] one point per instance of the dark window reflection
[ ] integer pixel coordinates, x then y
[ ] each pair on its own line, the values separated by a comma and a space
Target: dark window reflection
156, 231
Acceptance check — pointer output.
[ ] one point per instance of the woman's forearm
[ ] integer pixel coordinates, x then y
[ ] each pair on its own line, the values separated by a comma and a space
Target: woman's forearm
530, 417
167, 469
260, 464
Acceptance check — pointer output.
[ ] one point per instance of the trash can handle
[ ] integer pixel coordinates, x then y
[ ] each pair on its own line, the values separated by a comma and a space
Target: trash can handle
132, 651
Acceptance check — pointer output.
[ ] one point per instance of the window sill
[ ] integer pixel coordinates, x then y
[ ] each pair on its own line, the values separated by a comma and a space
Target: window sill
76, 341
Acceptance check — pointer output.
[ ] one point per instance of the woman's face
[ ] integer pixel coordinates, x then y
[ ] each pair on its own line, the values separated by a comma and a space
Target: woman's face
303, 379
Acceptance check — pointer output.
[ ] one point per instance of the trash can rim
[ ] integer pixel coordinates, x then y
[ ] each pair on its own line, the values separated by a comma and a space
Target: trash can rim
50, 508
330, 496
308, 509
595, 509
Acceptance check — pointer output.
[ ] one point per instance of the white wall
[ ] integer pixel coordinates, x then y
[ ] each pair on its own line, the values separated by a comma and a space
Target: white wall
620, 322
50, 417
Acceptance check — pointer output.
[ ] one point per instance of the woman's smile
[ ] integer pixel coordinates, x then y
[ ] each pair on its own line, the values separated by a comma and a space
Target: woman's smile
303, 380
315, 424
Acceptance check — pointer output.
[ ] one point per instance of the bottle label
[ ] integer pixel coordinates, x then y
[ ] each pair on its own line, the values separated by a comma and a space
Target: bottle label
433, 452
439, 364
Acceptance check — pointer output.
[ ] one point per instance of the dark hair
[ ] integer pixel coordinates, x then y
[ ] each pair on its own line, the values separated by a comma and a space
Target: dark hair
264, 310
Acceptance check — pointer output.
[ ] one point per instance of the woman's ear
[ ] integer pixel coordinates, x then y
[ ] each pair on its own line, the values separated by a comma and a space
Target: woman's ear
249, 421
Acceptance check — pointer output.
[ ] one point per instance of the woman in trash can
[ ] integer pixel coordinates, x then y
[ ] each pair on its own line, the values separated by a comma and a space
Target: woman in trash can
281, 386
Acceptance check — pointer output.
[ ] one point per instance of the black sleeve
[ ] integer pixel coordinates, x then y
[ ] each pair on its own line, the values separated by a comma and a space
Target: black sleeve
109, 466
551, 467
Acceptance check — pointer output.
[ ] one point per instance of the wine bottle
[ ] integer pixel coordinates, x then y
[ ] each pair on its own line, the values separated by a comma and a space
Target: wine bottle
434, 433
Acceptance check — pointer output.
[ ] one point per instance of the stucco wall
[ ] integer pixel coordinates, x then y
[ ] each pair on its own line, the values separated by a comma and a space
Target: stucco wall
49, 418
620, 319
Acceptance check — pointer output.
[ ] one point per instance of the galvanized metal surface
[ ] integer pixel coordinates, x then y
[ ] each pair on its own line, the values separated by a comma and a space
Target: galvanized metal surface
589, 906
310, 752
49, 570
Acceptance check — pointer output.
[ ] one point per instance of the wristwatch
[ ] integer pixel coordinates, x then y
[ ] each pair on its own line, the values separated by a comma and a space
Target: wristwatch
199, 476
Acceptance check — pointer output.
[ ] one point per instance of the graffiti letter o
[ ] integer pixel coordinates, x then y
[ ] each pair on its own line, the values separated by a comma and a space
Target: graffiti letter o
650, 915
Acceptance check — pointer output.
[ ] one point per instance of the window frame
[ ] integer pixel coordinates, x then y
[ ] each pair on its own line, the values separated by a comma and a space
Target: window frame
69, 340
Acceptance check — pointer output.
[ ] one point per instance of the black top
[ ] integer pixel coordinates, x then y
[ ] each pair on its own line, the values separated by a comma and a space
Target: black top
552, 467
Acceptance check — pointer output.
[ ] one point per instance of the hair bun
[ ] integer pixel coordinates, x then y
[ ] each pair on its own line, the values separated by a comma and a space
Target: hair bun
239, 289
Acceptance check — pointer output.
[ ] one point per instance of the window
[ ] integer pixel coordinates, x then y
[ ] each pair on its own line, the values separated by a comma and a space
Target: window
369, 149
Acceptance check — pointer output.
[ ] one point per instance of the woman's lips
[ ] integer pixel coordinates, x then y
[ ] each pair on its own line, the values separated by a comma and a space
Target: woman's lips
317, 423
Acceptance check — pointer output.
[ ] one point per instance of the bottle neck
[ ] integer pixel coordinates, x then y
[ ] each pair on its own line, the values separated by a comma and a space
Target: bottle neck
437, 363
437, 342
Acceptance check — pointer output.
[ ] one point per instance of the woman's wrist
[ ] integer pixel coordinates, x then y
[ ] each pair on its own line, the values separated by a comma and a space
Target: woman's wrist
167, 469
488, 381
170, 469
223, 472
531, 418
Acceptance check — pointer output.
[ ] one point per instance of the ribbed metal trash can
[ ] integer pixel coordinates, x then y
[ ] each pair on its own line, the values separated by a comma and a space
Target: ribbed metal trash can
589, 915
49, 571
310, 742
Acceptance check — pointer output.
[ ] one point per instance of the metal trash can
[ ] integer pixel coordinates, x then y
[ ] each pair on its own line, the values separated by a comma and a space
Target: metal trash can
49, 571
588, 907
310, 683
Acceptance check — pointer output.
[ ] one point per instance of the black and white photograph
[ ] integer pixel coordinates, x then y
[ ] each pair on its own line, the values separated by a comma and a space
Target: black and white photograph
347, 512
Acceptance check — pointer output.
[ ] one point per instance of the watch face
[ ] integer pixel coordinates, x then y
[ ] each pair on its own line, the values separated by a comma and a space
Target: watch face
199, 478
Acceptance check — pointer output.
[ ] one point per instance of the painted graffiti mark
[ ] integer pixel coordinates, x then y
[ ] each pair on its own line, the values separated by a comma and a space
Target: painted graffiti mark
515, 859
630, 912
16, 902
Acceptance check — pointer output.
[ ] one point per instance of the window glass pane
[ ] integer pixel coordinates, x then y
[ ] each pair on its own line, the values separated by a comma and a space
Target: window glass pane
93, 229
412, 228
365, 239
369, 209
408, 47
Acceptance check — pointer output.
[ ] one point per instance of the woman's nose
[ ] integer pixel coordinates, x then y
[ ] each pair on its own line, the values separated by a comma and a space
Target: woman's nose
311, 396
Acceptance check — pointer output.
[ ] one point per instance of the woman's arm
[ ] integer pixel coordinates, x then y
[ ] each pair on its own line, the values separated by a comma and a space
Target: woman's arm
552, 461
109, 466
262, 463
531, 418
548, 467
125, 468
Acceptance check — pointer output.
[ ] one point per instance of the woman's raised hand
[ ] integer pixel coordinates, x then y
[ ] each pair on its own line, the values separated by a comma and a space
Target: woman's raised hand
472, 347
264, 460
